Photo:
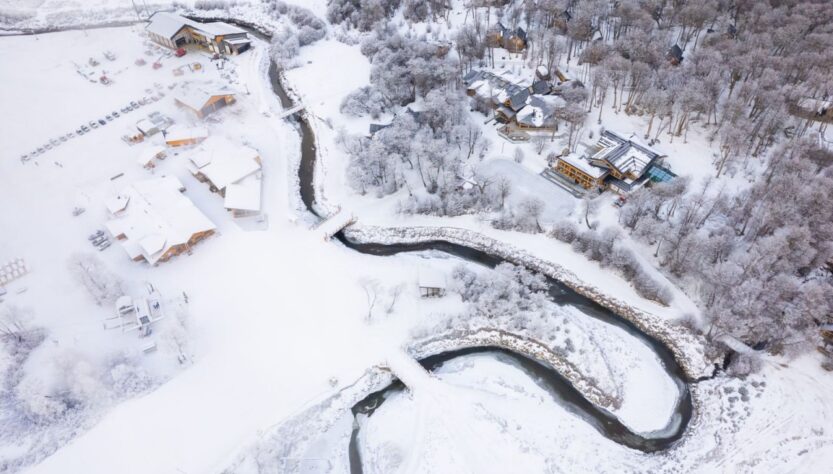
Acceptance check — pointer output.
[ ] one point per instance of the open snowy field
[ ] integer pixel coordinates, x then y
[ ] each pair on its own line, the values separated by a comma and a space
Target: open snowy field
272, 315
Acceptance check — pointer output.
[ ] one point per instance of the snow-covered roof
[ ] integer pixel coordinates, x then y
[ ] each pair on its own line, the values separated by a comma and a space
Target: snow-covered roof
818, 106
117, 203
168, 24
147, 155
540, 110
431, 278
627, 155
583, 165
244, 196
157, 217
224, 162
177, 133
196, 96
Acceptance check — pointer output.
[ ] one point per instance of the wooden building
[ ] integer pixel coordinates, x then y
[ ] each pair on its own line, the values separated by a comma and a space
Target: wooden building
174, 31
183, 136
615, 162
204, 99
154, 221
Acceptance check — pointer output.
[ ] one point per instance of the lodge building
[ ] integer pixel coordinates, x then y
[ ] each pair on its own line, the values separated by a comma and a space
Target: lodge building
174, 31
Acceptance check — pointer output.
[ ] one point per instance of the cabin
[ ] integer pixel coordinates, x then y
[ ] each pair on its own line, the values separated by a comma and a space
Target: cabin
616, 163
232, 171
174, 32
148, 156
512, 40
183, 136
153, 220
431, 283
203, 100
674, 55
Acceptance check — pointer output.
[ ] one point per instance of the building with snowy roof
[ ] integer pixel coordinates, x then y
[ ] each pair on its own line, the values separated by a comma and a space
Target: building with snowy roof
204, 99
174, 31
154, 221
615, 162
181, 136
231, 170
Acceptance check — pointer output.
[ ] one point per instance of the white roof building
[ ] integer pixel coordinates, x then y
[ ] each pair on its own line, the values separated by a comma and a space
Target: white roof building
156, 220
244, 197
147, 155
223, 162
179, 135
205, 98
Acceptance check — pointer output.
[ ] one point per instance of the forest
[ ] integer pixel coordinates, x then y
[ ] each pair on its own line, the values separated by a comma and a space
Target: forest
751, 244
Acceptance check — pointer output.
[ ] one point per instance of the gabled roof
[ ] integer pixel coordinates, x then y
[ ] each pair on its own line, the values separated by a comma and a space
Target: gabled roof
157, 217
168, 25
224, 162
627, 155
540, 87
519, 99
196, 96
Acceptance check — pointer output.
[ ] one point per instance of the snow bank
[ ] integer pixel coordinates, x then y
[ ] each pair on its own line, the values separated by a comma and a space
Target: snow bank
687, 347
487, 337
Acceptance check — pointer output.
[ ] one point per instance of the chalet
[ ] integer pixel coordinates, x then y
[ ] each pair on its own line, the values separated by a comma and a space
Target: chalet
232, 171
813, 109
148, 156
204, 99
615, 163
539, 113
174, 31
674, 55
154, 221
431, 283
513, 40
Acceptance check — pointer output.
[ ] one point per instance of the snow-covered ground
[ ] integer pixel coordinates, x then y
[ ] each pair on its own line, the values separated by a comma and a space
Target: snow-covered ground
280, 319
274, 314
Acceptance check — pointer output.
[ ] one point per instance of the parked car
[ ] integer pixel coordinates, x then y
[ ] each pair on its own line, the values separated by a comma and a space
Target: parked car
54, 142
39, 150
180, 52
70, 135
109, 118
115, 114
96, 235
48, 146
134, 104
63, 138
24, 157
102, 122
85, 128
93, 124
125, 110
103, 246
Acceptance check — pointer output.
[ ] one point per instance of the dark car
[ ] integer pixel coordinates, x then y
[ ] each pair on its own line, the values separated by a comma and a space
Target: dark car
115, 114
102, 122
134, 104
109, 118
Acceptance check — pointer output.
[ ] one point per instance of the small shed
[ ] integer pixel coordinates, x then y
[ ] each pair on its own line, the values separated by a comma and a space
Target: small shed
431, 283
147, 156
